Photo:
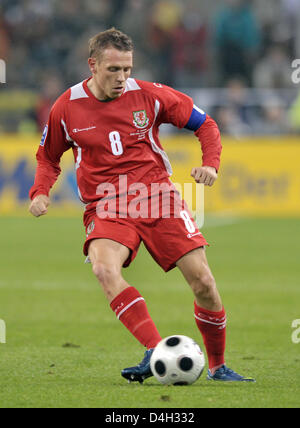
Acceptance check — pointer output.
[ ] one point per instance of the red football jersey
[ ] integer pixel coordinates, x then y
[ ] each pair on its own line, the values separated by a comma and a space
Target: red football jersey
110, 139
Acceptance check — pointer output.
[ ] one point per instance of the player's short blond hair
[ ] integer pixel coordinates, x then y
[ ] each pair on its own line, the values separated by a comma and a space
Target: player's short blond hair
109, 38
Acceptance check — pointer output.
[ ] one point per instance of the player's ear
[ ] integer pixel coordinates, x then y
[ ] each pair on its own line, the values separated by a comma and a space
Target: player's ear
92, 64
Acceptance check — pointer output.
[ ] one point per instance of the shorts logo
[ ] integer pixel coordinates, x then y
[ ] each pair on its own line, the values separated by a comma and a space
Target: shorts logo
44, 136
140, 119
90, 228
191, 235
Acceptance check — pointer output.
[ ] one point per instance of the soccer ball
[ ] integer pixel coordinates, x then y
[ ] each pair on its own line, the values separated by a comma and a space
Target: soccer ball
177, 360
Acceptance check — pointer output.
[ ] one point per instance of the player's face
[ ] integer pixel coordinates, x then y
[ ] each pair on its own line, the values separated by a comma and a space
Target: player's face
110, 73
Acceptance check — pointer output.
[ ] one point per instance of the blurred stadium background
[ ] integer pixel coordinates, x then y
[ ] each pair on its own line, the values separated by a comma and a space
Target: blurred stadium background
234, 57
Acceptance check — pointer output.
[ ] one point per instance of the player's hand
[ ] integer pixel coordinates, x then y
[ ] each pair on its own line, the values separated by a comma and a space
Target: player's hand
39, 206
205, 174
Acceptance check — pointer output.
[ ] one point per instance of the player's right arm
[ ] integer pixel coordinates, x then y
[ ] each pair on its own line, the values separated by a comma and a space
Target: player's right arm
39, 205
53, 144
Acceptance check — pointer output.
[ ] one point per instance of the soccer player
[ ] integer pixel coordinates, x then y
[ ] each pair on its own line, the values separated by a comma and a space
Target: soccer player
111, 123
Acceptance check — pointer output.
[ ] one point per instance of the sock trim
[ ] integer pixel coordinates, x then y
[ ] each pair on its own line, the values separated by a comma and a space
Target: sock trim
210, 322
129, 306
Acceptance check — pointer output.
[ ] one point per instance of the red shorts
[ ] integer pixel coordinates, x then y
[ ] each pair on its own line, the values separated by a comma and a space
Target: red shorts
167, 239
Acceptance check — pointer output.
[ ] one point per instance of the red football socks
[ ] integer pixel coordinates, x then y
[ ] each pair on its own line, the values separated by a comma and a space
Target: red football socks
212, 326
130, 308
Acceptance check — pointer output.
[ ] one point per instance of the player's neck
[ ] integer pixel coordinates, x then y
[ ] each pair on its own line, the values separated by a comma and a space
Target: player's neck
96, 91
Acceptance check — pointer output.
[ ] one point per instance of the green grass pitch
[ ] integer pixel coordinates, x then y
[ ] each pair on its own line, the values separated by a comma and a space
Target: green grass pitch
65, 347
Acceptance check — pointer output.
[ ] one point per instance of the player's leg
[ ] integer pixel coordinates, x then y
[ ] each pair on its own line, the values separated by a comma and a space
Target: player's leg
184, 247
210, 315
194, 267
107, 258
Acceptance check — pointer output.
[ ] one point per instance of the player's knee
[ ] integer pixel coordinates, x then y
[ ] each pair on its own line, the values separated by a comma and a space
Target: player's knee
203, 284
106, 274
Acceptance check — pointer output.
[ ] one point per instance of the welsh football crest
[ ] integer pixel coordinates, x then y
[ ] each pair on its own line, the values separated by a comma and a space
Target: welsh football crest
140, 119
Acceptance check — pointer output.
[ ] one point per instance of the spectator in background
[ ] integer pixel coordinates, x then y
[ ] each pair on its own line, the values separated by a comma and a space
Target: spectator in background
230, 123
135, 18
285, 27
274, 119
274, 70
51, 88
172, 46
117, 10
237, 98
4, 39
166, 15
189, 48
236, 114
135, 22
237, 40
76, 66
66, 29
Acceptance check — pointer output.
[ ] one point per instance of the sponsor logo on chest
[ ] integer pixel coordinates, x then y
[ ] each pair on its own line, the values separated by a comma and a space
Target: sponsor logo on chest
75, 130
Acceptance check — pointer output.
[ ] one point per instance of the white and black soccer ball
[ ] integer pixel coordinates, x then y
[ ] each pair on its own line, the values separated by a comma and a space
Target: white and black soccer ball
177, 360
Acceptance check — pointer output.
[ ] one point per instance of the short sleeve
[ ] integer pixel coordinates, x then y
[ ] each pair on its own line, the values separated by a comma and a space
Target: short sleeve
176, 106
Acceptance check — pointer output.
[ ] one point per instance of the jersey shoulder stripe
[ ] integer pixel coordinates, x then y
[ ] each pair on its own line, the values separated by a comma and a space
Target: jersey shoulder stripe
77, 92
131, 85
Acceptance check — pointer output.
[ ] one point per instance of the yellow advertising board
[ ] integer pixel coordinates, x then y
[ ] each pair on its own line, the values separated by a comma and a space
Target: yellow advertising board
258, 176
17, 171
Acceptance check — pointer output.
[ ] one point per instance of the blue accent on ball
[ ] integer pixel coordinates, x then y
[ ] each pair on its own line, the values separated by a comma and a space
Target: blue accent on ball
198, 117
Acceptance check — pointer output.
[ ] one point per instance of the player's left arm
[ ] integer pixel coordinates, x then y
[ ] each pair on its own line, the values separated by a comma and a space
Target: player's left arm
207, 131
180, 110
